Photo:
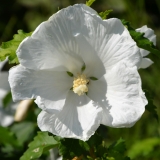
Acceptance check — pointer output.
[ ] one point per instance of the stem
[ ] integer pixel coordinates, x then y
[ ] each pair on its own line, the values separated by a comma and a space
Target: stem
91, 152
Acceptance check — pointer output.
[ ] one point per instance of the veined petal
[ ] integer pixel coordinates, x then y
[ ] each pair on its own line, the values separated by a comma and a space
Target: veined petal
78, 119
90, 58
125, 96
109, 39
48, 84
122, 98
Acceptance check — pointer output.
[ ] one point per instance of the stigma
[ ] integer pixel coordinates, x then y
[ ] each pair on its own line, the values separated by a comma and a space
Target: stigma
80, 84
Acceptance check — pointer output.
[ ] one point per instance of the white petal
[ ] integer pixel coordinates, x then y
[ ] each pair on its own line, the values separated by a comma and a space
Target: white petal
149, 33
146, 62
90, 58
124, 102
97, 91
4, 85
5, 119
78, 119
110, 40
48, 84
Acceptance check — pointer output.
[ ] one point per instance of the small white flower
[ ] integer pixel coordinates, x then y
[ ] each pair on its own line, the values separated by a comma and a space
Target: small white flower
149, 33
6, 114
77, 40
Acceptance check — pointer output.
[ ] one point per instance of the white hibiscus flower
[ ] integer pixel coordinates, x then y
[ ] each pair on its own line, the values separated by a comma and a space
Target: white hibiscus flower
149, 33
76, 40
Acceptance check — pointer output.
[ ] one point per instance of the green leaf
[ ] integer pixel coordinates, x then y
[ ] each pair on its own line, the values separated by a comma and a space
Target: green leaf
70, 74
117, 150
8, 49
24, 131
7, 137
150, 106
104, 14
141, 41
41, 143
119, 146
90, 2
84, 145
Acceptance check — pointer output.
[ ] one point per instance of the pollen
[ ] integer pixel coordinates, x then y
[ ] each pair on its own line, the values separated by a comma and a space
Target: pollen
80, 84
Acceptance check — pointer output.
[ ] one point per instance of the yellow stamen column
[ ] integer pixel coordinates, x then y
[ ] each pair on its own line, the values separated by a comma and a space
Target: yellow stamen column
80, 84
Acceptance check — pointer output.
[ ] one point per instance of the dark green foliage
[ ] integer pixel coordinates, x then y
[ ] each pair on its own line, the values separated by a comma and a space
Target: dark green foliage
9, 137
150, 106
141, 41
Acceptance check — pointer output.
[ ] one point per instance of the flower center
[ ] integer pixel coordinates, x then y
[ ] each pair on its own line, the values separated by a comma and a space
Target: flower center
80, 84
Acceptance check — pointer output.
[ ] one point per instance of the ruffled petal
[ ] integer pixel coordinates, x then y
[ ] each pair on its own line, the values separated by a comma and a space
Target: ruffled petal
148, 33
49, 85
79, 118
109, 39
125, 96
120, 95
146, 62
74, 36
52, 45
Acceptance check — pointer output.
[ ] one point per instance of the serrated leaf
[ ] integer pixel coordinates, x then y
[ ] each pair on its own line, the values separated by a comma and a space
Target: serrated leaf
120, 146
8, 49
90, 2
150, 106
41, 143
7, 137
104, 14
71, 148
117, 150
84, 145
141, 41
